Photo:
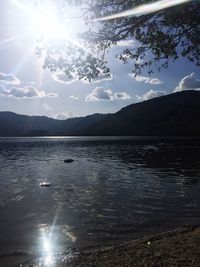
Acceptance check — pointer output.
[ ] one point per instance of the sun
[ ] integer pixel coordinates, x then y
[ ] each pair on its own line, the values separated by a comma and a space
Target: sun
47, 25
45, 21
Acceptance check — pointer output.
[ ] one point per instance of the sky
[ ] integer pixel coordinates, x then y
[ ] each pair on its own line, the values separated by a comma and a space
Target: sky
26, 88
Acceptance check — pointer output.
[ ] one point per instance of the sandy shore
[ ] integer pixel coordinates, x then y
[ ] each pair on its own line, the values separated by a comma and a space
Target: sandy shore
180, 248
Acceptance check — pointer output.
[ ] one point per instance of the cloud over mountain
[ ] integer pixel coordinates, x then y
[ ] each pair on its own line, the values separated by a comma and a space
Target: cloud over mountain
100, 94
122, 96
64, 116
150, 94
187, 83
11, 86
24, 92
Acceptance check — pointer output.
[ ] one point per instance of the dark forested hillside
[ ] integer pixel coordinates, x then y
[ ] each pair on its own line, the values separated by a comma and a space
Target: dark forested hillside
177, 114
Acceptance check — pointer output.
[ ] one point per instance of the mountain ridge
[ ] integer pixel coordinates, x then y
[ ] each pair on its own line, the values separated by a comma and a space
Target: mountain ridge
175, 114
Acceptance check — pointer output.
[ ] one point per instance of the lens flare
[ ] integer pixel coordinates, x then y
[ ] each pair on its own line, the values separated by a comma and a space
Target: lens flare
144, 9
11, 40
44, 21
47, 25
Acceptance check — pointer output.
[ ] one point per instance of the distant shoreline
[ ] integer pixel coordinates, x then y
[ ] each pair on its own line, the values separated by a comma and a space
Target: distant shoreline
132, 137
175, 114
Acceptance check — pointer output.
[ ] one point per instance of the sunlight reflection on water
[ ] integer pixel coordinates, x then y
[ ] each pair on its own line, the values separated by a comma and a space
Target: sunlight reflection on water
49, 250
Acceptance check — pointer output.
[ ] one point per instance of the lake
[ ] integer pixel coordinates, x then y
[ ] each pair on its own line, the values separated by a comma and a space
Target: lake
116, 189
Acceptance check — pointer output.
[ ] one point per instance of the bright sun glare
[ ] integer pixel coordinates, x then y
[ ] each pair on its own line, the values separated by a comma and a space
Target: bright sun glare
49, 22
47, 251
46, 24
45, 21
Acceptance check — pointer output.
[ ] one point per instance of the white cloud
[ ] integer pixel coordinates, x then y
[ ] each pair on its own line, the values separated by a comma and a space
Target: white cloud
150, 94
61, 77
9, 87
101, 94
64, 116
122, 96
24, 92
73, 97
146, 79
9, 79
46, 106
189, 82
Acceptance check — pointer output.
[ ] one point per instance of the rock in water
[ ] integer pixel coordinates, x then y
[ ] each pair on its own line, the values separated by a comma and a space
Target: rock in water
45, 184
68, 160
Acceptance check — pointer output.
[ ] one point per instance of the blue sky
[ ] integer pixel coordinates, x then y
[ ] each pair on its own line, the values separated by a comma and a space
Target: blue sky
26, 88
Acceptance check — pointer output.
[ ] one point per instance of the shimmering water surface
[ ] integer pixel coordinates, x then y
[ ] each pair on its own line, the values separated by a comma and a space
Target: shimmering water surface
115, 190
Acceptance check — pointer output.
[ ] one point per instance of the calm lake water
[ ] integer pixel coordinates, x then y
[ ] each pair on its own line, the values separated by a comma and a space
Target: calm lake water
116, 189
